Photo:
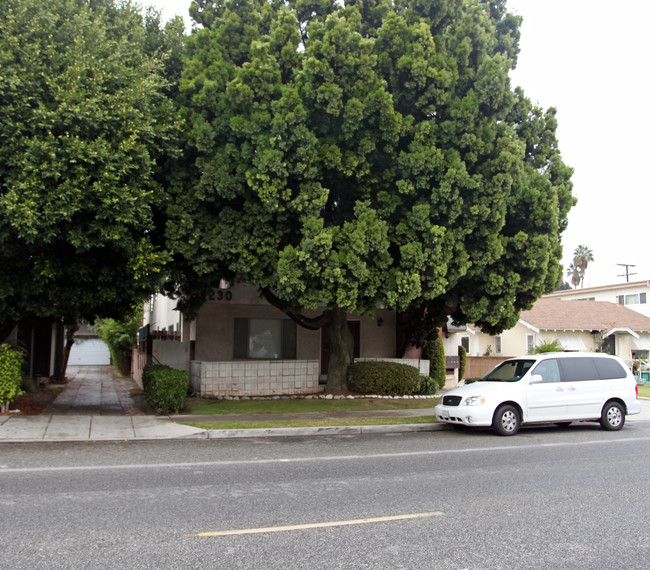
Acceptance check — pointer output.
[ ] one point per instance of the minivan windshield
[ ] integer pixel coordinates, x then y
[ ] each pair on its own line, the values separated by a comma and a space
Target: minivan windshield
508, 371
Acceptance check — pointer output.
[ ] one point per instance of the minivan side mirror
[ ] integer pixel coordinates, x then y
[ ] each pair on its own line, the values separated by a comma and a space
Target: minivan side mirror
536, 379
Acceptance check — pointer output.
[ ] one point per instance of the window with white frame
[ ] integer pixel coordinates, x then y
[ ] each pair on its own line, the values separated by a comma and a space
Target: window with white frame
265, 339
632, 299
530, 343
497, 344
464, 342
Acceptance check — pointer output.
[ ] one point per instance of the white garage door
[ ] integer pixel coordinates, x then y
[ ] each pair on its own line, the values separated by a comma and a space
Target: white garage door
89, 351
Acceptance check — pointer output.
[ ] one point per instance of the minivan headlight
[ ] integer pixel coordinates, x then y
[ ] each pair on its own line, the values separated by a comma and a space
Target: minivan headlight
475, 401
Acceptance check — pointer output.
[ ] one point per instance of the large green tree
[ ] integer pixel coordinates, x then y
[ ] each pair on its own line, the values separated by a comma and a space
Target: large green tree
87, 131
372, 154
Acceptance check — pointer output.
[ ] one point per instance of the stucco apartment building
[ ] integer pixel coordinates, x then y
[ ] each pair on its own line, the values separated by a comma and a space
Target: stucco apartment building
239, 344
635, 295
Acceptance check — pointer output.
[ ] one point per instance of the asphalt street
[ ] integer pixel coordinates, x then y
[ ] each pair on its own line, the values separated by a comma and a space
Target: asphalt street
550, 497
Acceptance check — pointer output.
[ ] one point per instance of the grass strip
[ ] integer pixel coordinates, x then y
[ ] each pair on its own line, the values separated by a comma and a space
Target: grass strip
314, 423
204, 406
644, 391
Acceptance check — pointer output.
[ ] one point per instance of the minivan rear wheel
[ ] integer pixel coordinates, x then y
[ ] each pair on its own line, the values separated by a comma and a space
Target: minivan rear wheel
506, 420
613, 416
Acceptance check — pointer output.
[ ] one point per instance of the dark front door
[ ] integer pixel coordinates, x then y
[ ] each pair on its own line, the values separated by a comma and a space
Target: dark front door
609, 345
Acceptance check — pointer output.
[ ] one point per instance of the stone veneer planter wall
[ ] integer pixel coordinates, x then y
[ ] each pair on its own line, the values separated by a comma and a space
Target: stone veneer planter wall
254, 377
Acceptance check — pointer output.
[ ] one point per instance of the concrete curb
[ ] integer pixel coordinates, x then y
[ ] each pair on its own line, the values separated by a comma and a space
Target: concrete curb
323, 430
247, 433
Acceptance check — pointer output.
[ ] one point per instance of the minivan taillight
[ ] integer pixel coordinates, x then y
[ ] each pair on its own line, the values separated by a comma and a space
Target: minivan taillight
636, 387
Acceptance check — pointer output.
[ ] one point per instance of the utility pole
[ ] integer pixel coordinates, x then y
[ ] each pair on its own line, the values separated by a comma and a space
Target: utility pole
627, 271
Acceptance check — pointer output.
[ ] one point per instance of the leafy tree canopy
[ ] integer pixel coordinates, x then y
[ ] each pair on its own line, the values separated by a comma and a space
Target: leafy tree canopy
368, 154
85, 129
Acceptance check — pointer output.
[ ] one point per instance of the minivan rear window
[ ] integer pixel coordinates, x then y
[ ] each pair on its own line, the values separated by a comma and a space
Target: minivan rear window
578, 369
608, 368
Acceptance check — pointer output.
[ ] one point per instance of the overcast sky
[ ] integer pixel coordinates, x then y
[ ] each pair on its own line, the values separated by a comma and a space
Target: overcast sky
588, 58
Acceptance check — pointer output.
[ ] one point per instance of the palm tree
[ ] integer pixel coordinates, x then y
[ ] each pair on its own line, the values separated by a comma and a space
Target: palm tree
574, 273
582, 257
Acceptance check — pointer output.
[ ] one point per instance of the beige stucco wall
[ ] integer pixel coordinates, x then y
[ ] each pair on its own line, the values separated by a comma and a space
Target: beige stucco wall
377, 341
214, 327
214, 331
514, 341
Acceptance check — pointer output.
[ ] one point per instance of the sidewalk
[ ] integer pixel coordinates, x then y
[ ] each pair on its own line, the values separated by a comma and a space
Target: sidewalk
96, 406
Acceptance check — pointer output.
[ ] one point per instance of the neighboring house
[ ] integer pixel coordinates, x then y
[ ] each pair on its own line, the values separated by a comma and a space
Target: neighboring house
596, 326
241, 345
634, 296
88, 349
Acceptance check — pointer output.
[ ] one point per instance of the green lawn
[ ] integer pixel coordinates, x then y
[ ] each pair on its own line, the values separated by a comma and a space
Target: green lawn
313, 423
644, 391
203, 406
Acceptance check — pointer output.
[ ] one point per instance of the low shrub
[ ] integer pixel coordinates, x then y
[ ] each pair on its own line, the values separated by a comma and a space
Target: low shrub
11, 376
377, 377
121, 337
548, 345
427, 386
165, 388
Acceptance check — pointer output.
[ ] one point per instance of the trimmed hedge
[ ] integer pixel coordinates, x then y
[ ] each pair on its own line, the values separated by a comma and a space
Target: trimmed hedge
11, 375
165, 388
434, 351
462, 357
377, 377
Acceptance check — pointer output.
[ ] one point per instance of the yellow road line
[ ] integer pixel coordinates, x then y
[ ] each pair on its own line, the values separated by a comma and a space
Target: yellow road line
319, 525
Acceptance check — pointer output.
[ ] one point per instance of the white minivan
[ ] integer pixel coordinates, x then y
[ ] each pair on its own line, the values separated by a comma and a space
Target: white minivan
559, 387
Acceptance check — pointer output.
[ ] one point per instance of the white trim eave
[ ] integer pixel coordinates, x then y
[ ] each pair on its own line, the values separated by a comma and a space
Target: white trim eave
575, 292
529, 326
620, 330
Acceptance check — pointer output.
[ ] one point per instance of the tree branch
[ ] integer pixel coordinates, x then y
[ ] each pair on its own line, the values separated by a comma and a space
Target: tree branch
310, 323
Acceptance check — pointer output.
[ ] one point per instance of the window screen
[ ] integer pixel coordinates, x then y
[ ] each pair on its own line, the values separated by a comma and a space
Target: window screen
530, 343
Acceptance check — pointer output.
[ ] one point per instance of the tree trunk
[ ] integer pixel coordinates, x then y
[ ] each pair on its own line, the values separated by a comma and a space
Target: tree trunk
69, 341
341, 351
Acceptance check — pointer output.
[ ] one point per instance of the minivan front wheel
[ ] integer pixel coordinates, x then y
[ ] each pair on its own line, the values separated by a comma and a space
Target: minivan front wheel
506, 420
613, 416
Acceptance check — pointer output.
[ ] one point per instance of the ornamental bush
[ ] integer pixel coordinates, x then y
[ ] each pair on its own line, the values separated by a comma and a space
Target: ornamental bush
11, 376
548, 345
462, 357
434, 351
164, 388
377, 377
